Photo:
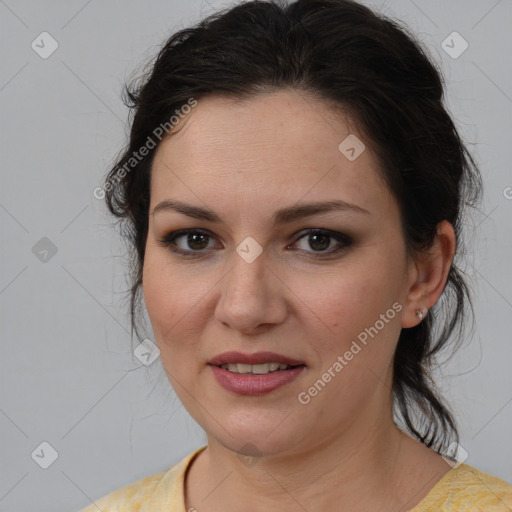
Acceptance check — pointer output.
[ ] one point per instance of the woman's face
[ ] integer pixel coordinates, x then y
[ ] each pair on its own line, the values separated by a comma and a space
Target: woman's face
254, 278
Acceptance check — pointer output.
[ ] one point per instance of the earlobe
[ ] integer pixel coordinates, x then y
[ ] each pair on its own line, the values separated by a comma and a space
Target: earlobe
431, 270
421, 313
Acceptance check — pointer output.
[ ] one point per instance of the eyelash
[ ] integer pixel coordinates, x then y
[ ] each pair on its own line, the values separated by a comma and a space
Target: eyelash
169, 241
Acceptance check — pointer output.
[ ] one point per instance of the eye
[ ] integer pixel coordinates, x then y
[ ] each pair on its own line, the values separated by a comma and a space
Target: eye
192, 241
320, 240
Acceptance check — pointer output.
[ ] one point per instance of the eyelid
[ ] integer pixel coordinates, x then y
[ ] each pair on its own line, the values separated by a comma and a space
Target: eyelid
322, 231
341, 238
168, 240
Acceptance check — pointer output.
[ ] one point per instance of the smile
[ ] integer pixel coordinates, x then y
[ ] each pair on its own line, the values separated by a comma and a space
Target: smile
255, 369
256, 379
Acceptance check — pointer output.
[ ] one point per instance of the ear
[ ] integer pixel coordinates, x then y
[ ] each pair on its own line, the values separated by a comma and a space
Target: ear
428, 273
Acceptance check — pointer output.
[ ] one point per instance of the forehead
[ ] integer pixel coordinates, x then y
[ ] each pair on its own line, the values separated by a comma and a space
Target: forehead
277, 147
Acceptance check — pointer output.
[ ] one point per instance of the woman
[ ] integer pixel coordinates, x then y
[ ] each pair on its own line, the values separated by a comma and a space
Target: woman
293, 192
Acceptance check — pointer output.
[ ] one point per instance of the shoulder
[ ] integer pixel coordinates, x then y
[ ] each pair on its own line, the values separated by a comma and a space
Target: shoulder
161, 489
467, 489
130, 498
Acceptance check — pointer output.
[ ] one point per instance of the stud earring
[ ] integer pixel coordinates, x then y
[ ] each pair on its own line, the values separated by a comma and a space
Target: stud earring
420, 313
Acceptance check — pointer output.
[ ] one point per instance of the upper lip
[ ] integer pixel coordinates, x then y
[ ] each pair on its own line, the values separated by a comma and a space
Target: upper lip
256, 358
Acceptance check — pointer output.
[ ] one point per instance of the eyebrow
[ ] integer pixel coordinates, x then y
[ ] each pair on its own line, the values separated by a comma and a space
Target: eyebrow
282, 216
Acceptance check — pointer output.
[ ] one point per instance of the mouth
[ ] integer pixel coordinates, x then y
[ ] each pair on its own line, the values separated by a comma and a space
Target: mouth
255, 374
257, 369
259, 363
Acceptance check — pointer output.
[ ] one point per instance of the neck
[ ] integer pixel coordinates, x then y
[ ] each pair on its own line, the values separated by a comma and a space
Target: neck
364, 469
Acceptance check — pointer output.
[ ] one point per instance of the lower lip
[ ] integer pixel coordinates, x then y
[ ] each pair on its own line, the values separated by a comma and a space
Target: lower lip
245, 384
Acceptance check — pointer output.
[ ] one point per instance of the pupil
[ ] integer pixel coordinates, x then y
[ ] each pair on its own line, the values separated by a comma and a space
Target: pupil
192, 240
315, 237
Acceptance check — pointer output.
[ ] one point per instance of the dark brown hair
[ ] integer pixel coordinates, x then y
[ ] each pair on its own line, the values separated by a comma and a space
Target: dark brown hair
371, 67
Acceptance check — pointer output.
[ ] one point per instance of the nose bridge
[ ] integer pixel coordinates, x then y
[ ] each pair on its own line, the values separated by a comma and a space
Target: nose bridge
249, 295
249, 272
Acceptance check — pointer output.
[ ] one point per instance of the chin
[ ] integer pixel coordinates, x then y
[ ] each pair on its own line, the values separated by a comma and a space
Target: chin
258, 442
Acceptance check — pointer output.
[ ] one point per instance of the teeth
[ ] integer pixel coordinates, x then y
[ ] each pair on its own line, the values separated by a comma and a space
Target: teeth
255, 369
240, 368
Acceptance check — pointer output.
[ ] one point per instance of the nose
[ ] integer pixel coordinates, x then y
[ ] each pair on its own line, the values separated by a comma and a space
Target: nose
253, 297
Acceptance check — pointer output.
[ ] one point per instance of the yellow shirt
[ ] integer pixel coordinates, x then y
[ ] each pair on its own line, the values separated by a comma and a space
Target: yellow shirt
462, 489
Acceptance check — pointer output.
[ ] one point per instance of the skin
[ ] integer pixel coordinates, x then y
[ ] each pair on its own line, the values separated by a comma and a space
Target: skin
245, 160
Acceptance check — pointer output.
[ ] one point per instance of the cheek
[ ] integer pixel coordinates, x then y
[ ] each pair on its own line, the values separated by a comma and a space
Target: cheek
155, 288
346, 302
168, 295
353, 335
355, 305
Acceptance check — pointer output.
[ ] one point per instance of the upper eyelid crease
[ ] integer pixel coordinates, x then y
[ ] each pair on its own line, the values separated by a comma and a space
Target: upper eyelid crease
282, 216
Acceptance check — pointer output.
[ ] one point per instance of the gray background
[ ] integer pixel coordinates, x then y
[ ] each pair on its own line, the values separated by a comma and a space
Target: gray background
68, 374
